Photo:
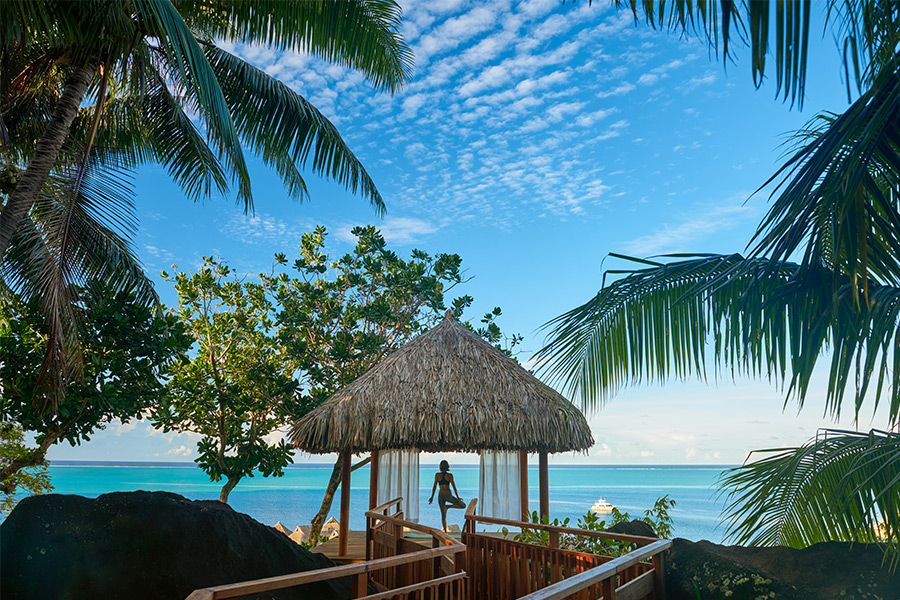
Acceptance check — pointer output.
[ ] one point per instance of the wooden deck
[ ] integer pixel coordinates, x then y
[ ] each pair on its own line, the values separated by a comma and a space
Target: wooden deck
356, 548
356, 545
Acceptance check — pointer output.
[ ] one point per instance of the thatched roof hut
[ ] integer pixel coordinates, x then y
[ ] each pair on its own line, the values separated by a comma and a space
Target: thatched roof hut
445, 390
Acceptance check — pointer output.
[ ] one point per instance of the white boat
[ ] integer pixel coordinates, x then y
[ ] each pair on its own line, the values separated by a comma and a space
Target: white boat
601, 506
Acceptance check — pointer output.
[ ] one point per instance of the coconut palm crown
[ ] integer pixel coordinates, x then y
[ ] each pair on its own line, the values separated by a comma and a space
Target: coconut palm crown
91, 90
820, 280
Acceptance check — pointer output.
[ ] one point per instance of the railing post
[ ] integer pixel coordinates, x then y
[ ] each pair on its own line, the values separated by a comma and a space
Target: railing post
373, 501
659, 580
608, 588
360, 586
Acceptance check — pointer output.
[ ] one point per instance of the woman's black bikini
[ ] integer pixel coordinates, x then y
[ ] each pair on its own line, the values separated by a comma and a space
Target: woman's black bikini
445, 498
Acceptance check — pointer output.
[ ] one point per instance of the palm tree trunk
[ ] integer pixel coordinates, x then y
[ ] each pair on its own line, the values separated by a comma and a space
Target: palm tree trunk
44, 157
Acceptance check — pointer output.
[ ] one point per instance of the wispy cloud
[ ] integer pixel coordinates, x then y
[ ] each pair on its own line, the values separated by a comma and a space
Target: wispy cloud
686, 235
265, 229
401, 231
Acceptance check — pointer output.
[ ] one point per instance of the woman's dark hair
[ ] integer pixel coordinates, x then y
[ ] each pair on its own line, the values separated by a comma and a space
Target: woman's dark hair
445, 466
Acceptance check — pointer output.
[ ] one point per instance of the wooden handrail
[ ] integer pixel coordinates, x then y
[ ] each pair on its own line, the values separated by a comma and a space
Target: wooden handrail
437, 533
233, 590
569, 586
386, 505
470, 511
416, 587
640, 540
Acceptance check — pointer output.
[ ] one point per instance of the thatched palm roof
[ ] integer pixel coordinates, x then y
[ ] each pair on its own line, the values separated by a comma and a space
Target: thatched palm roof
445, 390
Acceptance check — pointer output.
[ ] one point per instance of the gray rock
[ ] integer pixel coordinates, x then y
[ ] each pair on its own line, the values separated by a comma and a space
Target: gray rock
143, 545
825, 571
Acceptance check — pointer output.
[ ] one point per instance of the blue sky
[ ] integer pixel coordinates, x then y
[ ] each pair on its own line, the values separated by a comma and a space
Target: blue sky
534, 139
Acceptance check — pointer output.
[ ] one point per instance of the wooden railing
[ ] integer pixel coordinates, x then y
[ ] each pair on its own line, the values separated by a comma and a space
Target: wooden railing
612, 580
401, 569
486, 566
386, 538
501, 568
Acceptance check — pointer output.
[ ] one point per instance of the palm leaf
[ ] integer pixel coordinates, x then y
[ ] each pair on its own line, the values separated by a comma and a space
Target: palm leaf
283, 128
764, 318
751, 23
66, 241
837, 195
195, 78
358, 34
842, 485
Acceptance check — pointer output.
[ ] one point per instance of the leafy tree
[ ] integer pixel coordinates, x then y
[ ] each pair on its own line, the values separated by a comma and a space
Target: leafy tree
268, 351
127, 346
91, 90
32, 480
238, 386
835, 206
339, 317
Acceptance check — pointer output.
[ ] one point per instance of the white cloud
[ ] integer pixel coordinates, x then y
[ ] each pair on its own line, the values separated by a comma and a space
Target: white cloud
120, 428
686, 235
265, 229
602, 450
690, 453
402, 231
647, 453
183, 450
695, 82
619, 90
452, 32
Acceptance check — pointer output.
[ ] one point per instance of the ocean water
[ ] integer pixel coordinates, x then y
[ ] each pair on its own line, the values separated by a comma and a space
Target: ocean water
295, 498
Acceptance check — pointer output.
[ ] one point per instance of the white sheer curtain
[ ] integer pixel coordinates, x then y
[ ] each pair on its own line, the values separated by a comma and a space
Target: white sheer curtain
499, 493
398, 475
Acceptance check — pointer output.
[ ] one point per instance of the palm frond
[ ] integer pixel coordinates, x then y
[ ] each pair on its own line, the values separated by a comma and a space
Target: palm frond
764, 318
751, 23
283, 128
842, 485
837, 196
195, 79
358, 34
66, 241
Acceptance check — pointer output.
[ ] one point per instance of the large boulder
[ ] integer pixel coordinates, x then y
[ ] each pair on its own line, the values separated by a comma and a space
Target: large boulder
826, 571
144, 545
633, 527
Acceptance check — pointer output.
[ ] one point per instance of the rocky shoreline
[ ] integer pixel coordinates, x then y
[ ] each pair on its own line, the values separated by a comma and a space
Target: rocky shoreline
158, 545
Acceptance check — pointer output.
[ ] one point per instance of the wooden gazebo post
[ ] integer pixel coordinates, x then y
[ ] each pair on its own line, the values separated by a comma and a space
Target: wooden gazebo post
446, 370
345, 503
544, 479
373, 499
523, 483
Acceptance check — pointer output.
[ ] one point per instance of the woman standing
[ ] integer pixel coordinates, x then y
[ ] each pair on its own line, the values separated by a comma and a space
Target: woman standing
446, 500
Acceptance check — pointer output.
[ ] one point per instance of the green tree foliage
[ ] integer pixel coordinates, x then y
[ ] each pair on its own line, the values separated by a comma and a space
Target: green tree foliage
656, 517
238, 386
127, 348
29, 480
91, 90
339, 317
